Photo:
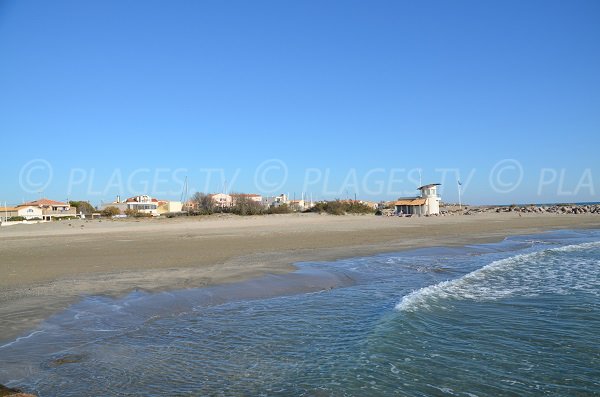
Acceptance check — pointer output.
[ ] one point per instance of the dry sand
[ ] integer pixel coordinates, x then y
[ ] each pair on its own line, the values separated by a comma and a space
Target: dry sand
45, 267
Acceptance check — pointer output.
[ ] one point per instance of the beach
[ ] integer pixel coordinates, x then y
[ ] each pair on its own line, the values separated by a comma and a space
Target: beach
46, 267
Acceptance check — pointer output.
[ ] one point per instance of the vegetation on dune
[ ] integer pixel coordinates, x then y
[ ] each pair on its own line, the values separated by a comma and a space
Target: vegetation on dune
243, 205
280, 209
134, 213
83, 206
339, 207
203, 204
110, 211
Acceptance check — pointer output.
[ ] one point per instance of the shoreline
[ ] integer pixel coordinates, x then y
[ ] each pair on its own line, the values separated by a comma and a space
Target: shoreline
220, 251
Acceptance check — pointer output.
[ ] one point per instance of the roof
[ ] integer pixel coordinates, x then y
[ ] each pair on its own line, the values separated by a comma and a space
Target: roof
245, 195
4, 209
43, 202
428, 186
136, 200
415, 201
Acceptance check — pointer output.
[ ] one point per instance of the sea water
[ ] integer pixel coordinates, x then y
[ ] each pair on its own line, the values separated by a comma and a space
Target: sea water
516, 318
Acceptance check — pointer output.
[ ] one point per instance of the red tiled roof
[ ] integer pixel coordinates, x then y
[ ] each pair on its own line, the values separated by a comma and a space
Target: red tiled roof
44, 202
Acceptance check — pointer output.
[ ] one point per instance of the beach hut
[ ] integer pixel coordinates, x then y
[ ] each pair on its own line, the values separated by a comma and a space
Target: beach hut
428, 203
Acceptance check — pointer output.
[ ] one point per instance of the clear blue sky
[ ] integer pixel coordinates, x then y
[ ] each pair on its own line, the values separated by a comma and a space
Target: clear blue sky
100, 89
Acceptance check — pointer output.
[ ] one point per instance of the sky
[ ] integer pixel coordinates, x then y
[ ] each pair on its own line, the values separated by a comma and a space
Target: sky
326, 99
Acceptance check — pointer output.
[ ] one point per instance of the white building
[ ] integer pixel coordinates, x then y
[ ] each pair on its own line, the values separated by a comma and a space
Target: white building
143, 203
51, 209
427, 204
166, 207
275, 201
26, 211
222, 200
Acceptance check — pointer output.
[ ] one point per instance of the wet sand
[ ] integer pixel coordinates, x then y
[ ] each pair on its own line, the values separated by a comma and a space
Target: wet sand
45, 267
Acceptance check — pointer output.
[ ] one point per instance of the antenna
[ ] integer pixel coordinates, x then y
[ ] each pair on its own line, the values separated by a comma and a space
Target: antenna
184, 191
459, 184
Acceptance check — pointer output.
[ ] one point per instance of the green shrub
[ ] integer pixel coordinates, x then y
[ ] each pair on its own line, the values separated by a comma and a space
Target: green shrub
110, 211
339, 207
15, 219
246, 206
82, 206
280, 209
133, 213
204, 204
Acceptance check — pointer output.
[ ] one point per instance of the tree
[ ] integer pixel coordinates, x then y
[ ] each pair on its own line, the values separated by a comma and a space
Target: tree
83, 207
244, 205
204, 203
110, 211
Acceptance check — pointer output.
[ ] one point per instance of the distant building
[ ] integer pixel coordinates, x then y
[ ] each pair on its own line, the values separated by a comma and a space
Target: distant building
372, 204
250, 196
427, 204
26, 211
275, 201
165, 207
51, 209
143, 203
301, 205
222, 200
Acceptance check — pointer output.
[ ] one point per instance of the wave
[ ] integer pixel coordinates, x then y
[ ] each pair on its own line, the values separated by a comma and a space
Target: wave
21, 338
538, 272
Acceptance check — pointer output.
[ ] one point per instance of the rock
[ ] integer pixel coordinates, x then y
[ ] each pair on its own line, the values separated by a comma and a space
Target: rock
6, 391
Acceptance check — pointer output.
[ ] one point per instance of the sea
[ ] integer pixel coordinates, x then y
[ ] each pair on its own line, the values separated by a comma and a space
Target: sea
516, 318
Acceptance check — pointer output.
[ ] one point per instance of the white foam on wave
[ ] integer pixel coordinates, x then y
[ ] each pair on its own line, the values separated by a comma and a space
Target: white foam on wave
538, 272
20, 339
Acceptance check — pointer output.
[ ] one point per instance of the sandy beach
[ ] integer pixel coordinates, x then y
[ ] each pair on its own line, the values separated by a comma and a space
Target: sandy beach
45, 267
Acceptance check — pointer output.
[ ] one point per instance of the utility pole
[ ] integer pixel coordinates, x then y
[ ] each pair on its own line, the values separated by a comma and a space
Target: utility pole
459, 199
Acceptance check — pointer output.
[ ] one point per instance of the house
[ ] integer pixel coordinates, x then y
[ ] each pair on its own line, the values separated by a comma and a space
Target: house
165, 206
190, 206
142, 203
222, 200
251, 197
26, 211
428, 203
51, 209
275, 201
